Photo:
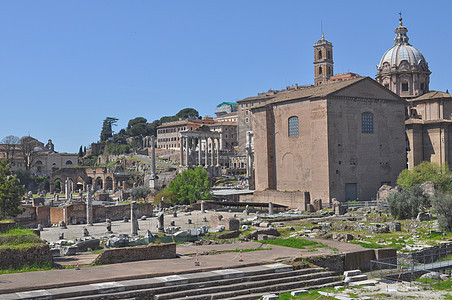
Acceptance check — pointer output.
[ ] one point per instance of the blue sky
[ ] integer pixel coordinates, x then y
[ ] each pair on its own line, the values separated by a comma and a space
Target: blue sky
66, 65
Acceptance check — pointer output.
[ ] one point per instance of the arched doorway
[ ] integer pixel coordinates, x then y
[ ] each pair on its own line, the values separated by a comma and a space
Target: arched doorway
58, 185
99, 183
80, 184
108, 183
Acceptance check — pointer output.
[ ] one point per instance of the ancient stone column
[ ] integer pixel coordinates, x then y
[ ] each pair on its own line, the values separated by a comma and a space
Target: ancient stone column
161, 226
133, 218
89, 205
187, 148
270, 208
212, 150
181, 146
202, 206
206, 152
218, 152
199, 152
152, 157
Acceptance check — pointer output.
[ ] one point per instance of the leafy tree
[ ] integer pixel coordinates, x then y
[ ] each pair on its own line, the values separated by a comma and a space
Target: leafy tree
11, 146
137, 120
407, 203
427, 171
10, 192
116, 149
107, 131
187, 113
140, 192
190, 186
442, 207
166, 196
139, 129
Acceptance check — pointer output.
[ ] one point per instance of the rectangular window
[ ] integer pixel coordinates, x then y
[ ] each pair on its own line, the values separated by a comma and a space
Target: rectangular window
367, 120
405, 87
246, 120
422, 86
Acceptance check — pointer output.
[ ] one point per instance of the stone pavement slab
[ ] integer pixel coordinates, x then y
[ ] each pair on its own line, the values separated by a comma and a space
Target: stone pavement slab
17, 282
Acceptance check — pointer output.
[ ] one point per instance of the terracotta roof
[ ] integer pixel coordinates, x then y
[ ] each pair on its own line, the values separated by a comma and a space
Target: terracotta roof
319, 91
431, 95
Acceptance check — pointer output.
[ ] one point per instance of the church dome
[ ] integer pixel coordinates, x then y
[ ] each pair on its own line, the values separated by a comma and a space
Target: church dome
401, 50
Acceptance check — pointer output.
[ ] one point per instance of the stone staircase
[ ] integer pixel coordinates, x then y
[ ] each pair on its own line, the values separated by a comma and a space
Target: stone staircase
240, 283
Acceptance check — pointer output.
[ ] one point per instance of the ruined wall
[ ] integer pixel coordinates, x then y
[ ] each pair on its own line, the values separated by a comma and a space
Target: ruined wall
76, 212
294, 200
151, 251
16, 258
229, 223
6, 226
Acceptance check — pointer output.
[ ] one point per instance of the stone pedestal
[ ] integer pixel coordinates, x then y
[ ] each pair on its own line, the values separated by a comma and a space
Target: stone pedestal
270, 208
161, 218
202, 206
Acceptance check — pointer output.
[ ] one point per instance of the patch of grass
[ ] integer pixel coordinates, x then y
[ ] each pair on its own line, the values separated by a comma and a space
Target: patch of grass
290, 242
434, 284
6, 221
18, 232
43, 266
368, 245
18, 246
311, 295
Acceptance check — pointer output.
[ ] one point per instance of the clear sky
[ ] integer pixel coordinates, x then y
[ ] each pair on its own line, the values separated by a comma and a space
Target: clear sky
67, 65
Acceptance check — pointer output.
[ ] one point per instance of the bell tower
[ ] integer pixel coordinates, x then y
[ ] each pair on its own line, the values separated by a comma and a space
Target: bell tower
323, 61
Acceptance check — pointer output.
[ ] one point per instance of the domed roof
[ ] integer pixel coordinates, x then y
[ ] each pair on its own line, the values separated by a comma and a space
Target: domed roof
402, 50
397, 53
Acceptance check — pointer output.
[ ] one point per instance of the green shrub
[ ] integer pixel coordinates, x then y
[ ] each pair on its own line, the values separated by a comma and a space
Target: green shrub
442, 206
407, 203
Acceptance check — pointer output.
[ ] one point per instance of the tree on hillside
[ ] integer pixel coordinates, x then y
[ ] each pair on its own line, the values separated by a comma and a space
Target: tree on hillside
107, 130
427, 171
11, 146
80, 152
10, 192
137, 120
190, 186
187, 113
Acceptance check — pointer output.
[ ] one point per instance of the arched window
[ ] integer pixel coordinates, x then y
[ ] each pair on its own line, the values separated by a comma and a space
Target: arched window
367, 119
320, 54
320, 70
68, 162
293, 126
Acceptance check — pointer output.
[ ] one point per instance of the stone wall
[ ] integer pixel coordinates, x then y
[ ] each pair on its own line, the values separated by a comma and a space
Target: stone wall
76, 212
351, 260
294, 200
333, 263
151, 251
4, 227
16, 258
427, 255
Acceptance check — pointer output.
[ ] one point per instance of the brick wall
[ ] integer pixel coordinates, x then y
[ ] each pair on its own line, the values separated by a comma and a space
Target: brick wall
294, 200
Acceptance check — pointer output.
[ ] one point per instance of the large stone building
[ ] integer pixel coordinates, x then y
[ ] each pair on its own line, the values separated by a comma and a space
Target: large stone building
38, 158
168, 136
404, 70
338, 140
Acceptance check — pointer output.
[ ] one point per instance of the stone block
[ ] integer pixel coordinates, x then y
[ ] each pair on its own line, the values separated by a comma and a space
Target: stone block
85, 245
395, 226
69, 250
318, 204
299, 292
310, 207
55, 252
